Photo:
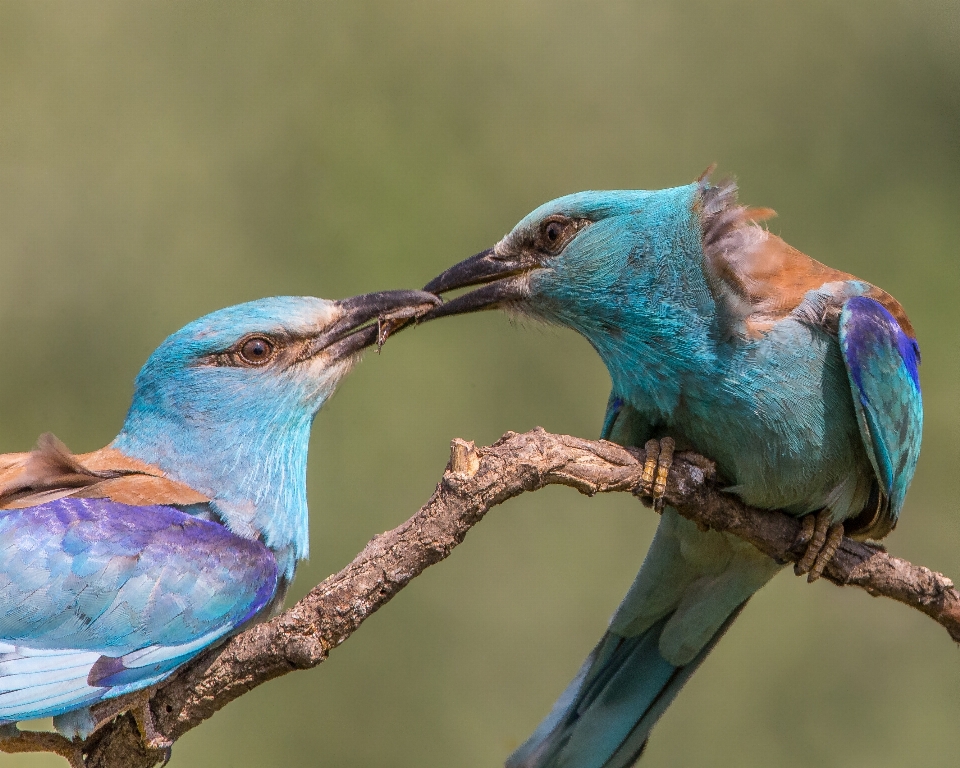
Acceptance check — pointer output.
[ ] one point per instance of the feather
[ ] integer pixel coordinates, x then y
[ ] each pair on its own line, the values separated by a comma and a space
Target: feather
51, 471
108, 603
882, 363
755, 276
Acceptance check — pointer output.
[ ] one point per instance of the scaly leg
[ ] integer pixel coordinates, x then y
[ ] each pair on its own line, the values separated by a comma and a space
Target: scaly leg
151, 736
653, 479
823, 538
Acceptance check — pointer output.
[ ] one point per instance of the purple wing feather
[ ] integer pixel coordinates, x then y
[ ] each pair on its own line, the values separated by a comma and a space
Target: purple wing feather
100, 598
882, 363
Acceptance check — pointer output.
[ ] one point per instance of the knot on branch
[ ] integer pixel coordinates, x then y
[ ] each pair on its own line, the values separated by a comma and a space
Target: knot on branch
464, 459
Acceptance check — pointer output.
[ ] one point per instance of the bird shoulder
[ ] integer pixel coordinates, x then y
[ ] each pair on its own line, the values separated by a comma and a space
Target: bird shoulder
758, 279
51, 471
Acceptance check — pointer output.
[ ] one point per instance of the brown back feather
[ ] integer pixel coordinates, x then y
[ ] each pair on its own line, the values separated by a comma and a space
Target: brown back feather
51, 471
756, 277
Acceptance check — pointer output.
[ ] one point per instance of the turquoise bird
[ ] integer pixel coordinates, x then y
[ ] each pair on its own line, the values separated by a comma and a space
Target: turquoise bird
120, 565
799, 380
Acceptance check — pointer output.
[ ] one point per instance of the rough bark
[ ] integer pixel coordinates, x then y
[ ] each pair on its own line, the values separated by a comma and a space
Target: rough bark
475, 480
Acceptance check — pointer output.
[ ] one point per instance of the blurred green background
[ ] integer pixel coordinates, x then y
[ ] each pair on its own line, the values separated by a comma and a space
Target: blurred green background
159, 160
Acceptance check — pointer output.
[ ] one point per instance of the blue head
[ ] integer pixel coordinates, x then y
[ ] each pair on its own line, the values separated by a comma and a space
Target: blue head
225, 404
623, 268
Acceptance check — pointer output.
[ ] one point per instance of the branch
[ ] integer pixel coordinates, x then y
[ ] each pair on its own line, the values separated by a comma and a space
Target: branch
475, 481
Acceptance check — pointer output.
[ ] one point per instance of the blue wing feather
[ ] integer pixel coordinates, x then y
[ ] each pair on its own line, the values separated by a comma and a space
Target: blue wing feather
882, 364
101, 598
615, 404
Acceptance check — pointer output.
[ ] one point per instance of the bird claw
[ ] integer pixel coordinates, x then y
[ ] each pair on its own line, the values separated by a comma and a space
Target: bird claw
148, 728
656, 468
822, 538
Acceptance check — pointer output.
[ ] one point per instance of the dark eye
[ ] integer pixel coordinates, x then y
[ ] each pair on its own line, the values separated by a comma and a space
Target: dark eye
555, 233
256, 350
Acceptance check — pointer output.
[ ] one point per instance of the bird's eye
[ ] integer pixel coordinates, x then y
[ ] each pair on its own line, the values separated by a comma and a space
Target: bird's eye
555, 233
256, 350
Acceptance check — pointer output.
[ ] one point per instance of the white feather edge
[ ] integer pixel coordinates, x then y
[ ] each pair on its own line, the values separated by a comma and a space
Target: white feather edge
35, 682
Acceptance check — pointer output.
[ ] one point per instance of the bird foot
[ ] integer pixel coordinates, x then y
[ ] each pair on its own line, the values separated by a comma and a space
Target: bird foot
148, 727
653, 479
822, 539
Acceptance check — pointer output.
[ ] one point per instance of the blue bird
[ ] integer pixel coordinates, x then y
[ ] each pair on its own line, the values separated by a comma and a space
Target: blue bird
118, 566
799, 380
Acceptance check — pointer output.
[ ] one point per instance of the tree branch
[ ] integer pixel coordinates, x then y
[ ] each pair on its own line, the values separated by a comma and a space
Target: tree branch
475, 481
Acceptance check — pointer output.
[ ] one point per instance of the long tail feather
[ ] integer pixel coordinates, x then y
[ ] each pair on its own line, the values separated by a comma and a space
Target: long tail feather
604, 717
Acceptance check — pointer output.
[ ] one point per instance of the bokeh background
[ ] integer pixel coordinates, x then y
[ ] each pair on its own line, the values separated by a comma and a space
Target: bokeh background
159, 160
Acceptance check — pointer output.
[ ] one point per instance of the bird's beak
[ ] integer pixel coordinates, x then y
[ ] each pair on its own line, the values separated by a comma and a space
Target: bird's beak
353, 331
503, 280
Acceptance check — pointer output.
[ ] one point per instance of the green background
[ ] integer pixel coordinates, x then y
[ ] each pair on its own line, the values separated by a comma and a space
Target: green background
159, 160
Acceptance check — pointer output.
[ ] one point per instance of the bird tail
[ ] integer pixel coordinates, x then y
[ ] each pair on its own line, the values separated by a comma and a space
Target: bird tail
604, 717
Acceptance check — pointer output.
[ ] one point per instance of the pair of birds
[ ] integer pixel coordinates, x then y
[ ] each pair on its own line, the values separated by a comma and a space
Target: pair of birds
800, 381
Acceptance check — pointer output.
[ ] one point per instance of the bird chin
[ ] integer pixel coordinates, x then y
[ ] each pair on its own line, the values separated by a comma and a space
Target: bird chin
322, 375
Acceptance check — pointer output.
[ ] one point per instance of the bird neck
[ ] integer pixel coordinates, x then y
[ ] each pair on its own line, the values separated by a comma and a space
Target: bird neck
253, 470
634, 286
653, 376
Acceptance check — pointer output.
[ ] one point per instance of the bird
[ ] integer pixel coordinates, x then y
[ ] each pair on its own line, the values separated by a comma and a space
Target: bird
120, 565
799, 380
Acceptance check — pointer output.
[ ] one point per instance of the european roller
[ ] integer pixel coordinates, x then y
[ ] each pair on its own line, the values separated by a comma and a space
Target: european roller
118, 566
799, 380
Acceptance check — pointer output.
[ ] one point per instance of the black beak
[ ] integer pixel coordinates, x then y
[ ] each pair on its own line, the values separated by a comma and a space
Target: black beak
485, 267
501, 277
391, 309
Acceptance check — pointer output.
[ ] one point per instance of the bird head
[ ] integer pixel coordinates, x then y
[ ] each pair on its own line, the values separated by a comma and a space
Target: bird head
252, 361
623, 268
225, 404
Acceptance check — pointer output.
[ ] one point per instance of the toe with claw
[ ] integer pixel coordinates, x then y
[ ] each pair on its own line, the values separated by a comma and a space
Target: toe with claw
822, 537
152, 737
656, 468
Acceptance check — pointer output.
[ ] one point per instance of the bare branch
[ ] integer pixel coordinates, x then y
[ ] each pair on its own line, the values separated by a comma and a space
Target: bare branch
474, 481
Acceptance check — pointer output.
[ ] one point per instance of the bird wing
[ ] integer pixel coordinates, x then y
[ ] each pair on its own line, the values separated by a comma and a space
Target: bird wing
102, 598
882, 360
623, 424
51, 471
